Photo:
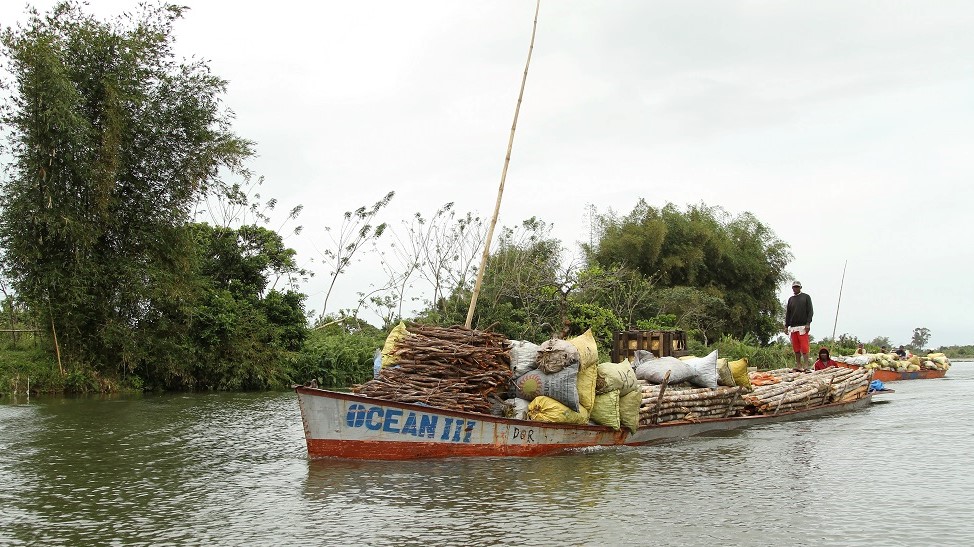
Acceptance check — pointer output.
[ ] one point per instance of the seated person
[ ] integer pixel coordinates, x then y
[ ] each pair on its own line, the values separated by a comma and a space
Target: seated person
860, 350
901, 352
824, 360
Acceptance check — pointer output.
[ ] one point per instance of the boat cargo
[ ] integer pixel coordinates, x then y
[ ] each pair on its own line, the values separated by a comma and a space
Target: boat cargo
349, 426
890, 367
454, 392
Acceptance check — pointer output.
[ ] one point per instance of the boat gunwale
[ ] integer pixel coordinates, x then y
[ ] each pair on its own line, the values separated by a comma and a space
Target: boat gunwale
317, 392
885, 375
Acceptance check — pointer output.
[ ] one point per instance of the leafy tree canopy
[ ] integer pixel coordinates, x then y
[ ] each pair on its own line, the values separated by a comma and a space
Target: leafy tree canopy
736, 261
113, 142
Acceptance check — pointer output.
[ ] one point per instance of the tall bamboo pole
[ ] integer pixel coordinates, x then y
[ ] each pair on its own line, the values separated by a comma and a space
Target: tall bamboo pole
57, 348
841, 284
500, 188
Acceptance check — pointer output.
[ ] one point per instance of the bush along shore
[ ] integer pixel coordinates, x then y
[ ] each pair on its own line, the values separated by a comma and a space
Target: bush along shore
333, 357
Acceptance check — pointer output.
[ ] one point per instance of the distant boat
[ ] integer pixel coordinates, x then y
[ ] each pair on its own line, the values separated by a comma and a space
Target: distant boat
349, 426
884, 375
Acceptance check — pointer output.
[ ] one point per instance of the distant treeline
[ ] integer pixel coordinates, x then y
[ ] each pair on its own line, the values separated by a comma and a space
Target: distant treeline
957, 352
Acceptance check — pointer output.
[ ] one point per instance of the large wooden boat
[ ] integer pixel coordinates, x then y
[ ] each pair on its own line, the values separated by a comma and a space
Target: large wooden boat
895, 376
345, 425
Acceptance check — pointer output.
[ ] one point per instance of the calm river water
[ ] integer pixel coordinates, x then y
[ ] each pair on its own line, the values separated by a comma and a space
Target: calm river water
232, 469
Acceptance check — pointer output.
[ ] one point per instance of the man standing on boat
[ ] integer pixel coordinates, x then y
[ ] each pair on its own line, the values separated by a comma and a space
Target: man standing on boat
798, 321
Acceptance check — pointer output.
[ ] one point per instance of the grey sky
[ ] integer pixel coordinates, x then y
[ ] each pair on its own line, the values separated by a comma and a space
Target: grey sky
846, 126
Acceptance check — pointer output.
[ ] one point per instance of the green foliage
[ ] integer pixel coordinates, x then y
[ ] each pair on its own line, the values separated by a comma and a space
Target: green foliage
880, 342
522, 294
603, 322
80, 381
113, 142
241, 333
699, 312
957, 352
338, 358
735, 263
845, 344
19, 364
764, 357
921, 335
662, 321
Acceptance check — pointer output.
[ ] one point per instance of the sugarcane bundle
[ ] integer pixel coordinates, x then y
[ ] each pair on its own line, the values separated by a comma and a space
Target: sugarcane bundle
448, 367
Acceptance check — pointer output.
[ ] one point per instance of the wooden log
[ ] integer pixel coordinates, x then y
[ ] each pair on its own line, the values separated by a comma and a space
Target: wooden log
662, 391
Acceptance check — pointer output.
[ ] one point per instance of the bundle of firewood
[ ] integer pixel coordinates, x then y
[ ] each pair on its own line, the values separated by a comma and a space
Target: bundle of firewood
800, 390
455, 368
662, 404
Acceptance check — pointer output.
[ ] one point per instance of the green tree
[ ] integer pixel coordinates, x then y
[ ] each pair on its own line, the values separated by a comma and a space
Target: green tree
736, 260
522, 294
113, 141
921, 335
881, 342
694, 310
242, 330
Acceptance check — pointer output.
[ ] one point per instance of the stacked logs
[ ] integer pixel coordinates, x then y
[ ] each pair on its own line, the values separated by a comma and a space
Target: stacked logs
792, 391
455, 368
800, 390
665, 404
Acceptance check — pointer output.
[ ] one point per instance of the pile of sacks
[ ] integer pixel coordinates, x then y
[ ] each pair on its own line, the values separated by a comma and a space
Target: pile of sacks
562, 381
893, 362
709, 371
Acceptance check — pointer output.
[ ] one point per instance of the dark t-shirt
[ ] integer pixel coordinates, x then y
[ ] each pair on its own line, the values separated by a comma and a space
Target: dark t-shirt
799, 310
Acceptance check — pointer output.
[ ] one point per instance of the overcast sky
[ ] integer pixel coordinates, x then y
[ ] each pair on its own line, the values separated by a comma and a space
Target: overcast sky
846, 126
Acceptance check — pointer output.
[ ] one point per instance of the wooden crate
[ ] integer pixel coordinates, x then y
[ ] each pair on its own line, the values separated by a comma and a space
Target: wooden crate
661, 342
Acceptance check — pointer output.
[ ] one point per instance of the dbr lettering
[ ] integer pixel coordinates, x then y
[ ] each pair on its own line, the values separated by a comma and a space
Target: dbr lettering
526, 435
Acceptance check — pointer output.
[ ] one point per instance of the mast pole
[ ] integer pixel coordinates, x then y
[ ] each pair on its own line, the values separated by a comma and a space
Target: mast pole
500, 188
841, 283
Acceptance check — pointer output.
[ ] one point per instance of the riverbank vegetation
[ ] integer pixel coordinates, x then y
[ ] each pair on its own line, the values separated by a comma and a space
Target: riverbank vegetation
135, 256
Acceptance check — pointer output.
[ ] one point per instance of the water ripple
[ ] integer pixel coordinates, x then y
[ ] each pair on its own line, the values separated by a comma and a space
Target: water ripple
231, 469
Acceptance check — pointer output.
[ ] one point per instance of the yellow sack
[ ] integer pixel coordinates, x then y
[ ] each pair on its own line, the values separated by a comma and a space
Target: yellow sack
588, 350
588, 353
606, 410
629, 410
546, 409
586, 387
398, 333
615, 377
724, 375
739, 371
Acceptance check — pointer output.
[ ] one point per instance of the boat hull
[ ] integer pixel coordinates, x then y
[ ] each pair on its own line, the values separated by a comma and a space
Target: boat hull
348, 426
894, 376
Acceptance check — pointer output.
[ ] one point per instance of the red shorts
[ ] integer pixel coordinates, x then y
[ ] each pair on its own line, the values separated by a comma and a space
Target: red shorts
799, 342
